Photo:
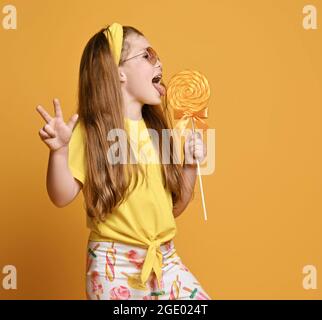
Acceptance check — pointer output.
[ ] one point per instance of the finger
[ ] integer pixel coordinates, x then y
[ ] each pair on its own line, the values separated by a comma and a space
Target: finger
72, 122
199, 149
191, 134
196, 143
196, 150
190, 138
43, 134
196, 139
49, 130
44, 113
58, 110
197, 135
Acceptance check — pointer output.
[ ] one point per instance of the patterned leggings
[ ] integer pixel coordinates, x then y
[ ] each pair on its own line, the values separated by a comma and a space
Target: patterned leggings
114, 268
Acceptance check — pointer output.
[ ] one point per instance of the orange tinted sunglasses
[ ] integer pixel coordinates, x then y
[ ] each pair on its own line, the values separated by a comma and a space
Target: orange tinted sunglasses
152, 56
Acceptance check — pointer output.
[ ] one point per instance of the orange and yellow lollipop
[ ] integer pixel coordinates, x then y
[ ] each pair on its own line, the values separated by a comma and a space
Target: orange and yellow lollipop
188, 94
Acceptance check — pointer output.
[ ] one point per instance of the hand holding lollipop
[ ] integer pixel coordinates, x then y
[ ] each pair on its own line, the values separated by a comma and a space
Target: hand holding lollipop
188, 94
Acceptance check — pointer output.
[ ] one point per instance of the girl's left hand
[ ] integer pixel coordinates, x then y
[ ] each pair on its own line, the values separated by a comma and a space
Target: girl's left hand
194, 148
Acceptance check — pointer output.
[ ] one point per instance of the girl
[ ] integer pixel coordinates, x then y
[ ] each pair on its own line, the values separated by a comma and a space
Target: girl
131, 208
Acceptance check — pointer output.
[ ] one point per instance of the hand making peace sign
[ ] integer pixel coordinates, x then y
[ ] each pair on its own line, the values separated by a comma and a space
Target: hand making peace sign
56, 133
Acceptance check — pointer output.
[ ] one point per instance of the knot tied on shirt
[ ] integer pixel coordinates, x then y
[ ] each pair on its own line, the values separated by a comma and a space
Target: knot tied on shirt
153, 261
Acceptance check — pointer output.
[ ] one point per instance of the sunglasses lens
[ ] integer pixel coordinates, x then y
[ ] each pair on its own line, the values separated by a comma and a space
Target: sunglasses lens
153, 57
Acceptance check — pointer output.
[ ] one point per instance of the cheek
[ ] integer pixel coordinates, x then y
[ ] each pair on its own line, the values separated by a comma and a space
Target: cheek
142, 81
140, 86
144, 72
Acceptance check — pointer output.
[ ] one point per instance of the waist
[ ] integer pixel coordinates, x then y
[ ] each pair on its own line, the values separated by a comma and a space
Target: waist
132, 237
126, 247
140, 243
147, 257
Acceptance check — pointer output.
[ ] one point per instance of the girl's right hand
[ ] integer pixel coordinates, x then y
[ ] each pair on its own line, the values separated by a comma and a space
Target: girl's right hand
56, 133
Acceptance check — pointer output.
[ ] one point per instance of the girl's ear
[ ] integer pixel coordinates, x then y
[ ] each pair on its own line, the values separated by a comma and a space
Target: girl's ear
122, 75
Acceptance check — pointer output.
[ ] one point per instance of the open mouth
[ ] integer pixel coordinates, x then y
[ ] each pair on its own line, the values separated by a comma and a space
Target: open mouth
156, 81
157, 78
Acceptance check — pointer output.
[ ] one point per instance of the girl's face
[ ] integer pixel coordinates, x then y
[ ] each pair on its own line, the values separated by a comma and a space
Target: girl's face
136, 74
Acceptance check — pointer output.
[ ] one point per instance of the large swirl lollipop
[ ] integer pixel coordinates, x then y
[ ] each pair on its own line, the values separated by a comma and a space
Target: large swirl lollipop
188, 93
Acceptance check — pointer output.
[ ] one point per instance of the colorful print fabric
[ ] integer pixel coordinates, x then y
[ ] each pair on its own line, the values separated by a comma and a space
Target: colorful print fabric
114, 268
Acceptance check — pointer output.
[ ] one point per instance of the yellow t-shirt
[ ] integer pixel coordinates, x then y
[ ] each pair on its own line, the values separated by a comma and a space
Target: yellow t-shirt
145, 218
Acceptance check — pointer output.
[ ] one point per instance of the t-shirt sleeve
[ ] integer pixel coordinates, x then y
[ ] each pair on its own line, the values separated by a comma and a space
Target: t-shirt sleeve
76, 154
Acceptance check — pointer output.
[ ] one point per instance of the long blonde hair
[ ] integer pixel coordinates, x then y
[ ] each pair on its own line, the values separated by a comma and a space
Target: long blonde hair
100, 109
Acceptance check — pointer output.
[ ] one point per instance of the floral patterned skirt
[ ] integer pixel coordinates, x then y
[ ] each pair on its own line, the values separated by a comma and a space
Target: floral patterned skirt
114, 268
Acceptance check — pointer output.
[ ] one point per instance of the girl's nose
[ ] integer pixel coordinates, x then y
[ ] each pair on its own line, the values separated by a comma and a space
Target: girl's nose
159, 64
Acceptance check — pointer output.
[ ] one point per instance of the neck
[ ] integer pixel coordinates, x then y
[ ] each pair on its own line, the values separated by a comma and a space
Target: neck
133, 114
132, 109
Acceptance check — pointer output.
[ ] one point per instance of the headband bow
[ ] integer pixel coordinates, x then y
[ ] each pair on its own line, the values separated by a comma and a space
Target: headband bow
115, 40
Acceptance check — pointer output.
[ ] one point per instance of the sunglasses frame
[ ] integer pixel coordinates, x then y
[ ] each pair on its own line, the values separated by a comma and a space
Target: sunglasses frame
151, 53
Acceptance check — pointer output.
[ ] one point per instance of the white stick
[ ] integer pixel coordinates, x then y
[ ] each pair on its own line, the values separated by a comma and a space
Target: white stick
200, 180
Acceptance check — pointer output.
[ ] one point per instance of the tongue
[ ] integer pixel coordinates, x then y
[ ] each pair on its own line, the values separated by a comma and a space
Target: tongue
160, 88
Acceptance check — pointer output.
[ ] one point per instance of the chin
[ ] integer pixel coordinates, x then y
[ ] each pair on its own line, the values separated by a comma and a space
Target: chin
154, 101
152, 97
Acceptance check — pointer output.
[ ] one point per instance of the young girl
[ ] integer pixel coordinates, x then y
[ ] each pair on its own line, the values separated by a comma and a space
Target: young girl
131, 207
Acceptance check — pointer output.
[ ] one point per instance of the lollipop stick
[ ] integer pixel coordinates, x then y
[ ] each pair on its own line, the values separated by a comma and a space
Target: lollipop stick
200, 180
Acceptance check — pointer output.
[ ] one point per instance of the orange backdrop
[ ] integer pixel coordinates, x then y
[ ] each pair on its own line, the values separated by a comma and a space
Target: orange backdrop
264, 198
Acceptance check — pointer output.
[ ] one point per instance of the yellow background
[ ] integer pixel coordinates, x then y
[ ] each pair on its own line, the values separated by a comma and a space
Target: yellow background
264, 199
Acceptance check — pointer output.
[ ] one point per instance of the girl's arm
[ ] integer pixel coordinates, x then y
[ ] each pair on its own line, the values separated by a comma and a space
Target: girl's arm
62, 187
189, 173
194, 149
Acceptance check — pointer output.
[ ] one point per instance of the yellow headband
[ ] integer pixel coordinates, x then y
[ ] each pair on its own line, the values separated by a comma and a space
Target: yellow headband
115, 40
